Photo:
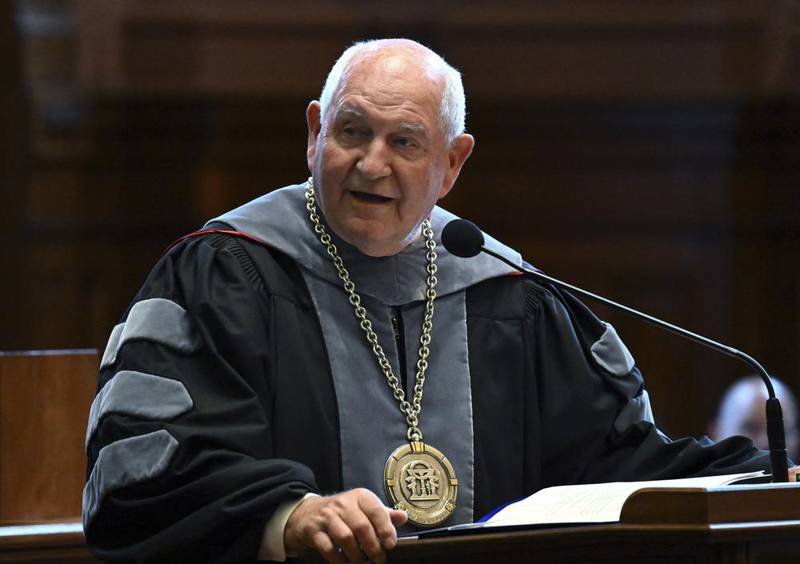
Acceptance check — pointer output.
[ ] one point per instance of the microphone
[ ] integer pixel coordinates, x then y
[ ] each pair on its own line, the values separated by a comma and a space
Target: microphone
464, 239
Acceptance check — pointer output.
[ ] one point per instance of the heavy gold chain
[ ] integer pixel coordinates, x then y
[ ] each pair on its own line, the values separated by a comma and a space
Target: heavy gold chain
410, 410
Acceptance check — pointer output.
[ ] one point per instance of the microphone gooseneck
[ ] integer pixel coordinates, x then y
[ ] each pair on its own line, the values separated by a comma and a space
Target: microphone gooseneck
463, 238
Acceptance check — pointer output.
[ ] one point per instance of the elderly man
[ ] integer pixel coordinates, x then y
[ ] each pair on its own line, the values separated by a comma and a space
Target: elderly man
319, 340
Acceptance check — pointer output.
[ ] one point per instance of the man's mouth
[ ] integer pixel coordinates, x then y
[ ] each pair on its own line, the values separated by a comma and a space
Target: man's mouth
371, 198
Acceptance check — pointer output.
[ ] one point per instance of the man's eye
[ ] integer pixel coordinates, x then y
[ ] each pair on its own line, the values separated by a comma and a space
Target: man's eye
405, 142
354, 133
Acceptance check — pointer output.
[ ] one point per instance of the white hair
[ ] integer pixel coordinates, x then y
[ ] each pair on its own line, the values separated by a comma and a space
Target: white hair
452, 110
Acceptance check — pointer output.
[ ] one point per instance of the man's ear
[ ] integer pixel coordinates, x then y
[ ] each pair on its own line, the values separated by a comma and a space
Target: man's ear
314, 123
459, 152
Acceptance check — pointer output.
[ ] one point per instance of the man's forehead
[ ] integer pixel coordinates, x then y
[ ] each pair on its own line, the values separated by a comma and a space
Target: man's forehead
399, 73
398, 61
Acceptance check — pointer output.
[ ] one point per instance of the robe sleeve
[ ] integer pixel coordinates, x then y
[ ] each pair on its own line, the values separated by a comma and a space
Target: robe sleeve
595, 416
180, 446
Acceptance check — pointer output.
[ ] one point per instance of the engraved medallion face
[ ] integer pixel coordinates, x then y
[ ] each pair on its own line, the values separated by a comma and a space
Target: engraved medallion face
421, 481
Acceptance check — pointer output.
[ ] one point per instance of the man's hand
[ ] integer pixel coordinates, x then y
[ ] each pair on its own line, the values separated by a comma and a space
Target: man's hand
793, 472
355, 522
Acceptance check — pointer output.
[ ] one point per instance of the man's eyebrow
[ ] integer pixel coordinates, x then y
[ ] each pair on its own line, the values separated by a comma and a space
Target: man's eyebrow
346, 110
412, 127
354, 112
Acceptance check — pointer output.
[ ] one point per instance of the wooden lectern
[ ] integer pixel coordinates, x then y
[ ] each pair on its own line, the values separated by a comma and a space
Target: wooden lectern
730, 525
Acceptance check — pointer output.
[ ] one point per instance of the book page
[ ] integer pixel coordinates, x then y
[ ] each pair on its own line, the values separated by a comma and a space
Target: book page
592, 503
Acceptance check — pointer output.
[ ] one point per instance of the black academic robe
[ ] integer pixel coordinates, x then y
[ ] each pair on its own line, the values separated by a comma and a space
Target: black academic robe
263, 427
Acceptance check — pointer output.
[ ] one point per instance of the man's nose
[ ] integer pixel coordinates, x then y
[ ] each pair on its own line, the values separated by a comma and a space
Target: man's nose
375, 162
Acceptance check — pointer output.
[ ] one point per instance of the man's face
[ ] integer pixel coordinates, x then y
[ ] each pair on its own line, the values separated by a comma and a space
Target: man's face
380, 160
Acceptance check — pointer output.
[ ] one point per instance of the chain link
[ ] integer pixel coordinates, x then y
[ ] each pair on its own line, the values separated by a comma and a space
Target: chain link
410, 410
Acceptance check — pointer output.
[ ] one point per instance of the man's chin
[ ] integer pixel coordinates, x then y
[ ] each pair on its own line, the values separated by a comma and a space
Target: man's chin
377, 250
369, 237
373, 246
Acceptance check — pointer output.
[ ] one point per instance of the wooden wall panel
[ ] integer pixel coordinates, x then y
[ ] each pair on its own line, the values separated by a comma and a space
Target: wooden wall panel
646, 150
573, 48
44, 405
14, 155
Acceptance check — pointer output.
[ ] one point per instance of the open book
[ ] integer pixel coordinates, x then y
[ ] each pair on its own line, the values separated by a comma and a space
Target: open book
595, 503
587, 503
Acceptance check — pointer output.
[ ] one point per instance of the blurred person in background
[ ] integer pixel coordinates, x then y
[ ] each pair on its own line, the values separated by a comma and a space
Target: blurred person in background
741, 411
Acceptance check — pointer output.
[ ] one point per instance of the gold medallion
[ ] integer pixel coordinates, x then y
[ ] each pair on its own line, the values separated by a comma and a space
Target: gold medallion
421, 481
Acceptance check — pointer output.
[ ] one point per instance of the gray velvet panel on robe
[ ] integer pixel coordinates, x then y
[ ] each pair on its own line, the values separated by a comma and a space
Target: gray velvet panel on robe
611, 353
155, 319
127, 462
371, 424
141, 395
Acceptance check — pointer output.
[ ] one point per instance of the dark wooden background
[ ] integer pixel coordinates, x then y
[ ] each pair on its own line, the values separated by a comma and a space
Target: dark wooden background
647, 150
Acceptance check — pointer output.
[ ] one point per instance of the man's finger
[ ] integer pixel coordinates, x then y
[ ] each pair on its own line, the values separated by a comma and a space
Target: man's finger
342, 535
367, 535
384, 531
398, 517
323, 544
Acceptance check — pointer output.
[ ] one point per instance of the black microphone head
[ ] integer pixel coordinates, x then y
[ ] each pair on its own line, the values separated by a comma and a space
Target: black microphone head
462, 238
